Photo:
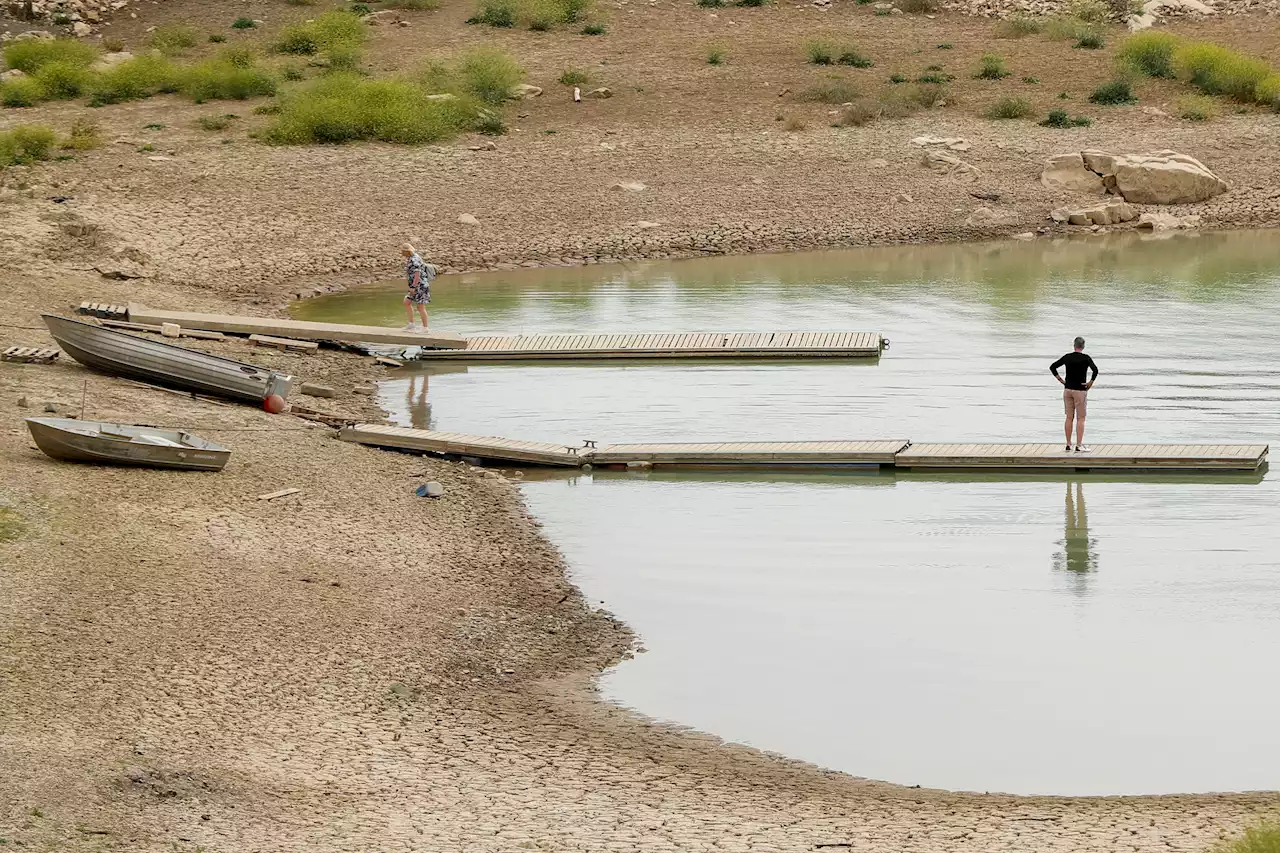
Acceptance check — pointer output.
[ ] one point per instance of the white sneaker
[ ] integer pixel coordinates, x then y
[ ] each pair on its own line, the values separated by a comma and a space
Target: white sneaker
412, 327
1083, 448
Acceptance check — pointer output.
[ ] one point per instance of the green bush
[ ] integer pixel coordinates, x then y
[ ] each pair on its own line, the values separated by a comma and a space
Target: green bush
346, 107
231, 76
26, 143
1217, 70
1149, 53
1090, 41
489, 74
1017, 26
593, 30
21, 92
1066, 28
853, 59
897, 78
213, 122
1197, 107
243, 23
1010, 108
496, 13
1113, 93
834, 90
820, 52
918, 7
85, 134
140, 77
30, 55
1268, 92
573, 77
715, 56
1090, 11
412, 5
710, 4
333, 29
1059, 118
991, 67
754, 4
174, 39
217, 38
63, 80
1262, 837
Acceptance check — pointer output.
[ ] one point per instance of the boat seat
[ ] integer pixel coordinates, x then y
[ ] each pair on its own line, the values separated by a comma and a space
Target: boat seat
157, 440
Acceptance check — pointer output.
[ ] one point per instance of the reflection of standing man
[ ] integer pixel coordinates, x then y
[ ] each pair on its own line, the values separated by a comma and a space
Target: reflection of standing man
1077, 547
1075, 395
416, 400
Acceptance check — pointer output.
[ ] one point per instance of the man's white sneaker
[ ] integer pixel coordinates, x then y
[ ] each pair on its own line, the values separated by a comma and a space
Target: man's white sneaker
1082, 448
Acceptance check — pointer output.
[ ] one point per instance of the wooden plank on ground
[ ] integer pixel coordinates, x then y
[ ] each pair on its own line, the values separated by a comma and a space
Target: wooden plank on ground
297, 329
284, 343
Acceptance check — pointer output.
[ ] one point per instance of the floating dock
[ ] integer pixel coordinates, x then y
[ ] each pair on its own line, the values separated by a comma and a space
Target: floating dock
296, 329
884, 453
665, 345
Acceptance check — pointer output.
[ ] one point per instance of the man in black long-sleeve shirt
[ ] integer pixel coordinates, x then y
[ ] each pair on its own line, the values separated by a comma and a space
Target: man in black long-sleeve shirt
1075, 390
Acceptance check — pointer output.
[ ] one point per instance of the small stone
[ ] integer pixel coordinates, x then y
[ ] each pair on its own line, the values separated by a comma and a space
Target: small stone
487, 145
80, 29
601, 93
903, 197
366, 390
431, 489
524, 91
170, 330
22, 402
468, 219
315, 389
629, 186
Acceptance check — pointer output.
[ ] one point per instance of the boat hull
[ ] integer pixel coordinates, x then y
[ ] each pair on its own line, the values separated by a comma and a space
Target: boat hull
59, 441
164, 364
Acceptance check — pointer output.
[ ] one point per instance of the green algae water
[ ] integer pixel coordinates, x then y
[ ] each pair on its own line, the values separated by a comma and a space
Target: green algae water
1063, 634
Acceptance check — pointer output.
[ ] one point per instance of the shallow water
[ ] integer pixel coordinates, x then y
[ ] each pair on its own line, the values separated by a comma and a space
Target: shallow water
1037, 634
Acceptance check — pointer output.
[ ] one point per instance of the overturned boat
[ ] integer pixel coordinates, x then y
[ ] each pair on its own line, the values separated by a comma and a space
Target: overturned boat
165, 364
104, 443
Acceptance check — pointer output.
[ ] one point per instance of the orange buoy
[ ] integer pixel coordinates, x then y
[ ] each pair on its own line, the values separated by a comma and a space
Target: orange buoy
274, 404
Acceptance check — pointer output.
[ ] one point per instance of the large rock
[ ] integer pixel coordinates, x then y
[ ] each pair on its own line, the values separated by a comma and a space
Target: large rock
1165, 177
110, 60
1068, 172
524, 91
1105, 213
1159, 220
948, 164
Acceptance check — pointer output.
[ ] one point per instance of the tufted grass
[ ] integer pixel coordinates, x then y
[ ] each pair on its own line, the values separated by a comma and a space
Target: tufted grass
342, 108
1010, 108
133, 79
231, 75
1149, 53
991, 67
1268, 92
26, 143
537, 15
30, 55
1262, 837
21, 92
330, 30
1218, 70
175, 39
1113, 93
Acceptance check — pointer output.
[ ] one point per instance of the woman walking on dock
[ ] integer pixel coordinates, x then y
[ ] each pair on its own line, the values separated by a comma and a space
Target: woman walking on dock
420, 274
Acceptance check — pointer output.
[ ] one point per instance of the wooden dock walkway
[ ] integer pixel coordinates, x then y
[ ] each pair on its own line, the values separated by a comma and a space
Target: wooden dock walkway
457, 444
888, 453
297, 329
1176, 457
666, 345
752, 453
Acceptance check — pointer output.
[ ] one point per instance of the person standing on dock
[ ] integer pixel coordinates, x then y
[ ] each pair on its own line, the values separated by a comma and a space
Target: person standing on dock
420, 274
1075, 394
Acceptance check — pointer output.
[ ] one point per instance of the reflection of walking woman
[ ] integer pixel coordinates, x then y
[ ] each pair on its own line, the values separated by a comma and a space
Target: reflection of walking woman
419, 273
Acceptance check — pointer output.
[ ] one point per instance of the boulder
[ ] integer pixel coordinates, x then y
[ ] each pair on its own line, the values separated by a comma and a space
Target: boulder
948, 164
11, 74
110, 60
601, 93
80, 29
1162, 221
1165, 177
1111, 212
468, 219
524, 91
986, 217
1068, 172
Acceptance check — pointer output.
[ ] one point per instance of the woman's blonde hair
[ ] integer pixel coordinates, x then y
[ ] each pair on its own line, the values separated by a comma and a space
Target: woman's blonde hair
408, 247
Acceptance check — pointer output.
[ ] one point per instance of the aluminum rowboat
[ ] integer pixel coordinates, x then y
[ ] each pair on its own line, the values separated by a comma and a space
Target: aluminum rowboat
165, 364
123, 444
